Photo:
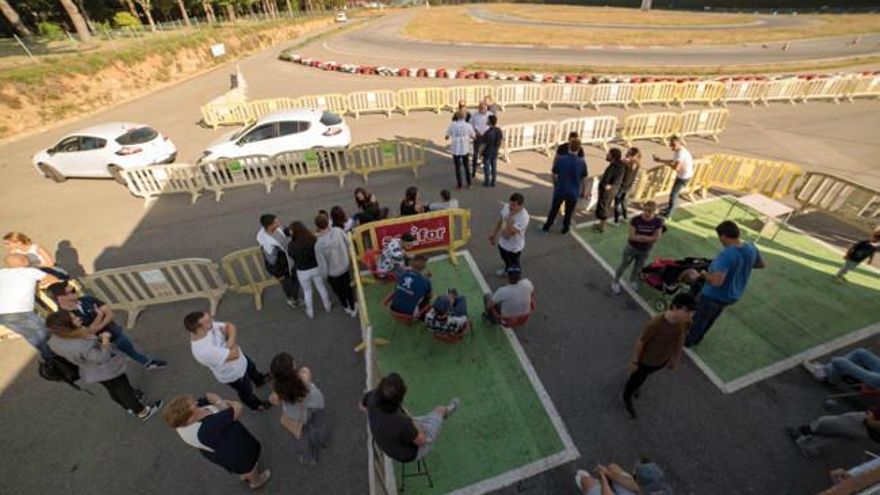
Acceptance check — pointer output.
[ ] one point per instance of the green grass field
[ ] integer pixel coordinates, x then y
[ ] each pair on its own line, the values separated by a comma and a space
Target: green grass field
788, 309
502, 424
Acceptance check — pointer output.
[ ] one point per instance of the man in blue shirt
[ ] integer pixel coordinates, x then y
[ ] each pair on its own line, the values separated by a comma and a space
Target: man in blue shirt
413, 291
569, 177
726, 279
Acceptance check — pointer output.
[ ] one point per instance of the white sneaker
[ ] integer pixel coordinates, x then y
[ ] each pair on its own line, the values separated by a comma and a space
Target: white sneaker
453, 406
353, 312
615, 287
816, 369
293, 303
578, 477
328, 307
310, 313
501, 272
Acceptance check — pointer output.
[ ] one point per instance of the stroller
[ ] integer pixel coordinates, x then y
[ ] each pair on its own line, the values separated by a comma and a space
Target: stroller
668, 276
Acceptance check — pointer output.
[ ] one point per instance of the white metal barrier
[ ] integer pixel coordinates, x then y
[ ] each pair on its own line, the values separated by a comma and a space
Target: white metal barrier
864, 87
651, 126
471, 95
576, 95
749, 92
613, 94
539, 136
704, 123
789, 90
421, 99
382, 101
832, 89
229, 173
518, 94
597, 131
331, 102
158, 180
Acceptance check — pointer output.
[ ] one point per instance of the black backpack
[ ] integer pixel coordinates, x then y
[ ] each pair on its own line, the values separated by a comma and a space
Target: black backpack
281, 268
58, 369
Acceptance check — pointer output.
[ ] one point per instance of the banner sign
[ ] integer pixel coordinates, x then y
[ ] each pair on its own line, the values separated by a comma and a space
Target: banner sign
430, 233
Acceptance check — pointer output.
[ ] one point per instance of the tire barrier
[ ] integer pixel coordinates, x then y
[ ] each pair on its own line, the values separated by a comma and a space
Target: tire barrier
134, 288
218, 176
844, 200
532, 95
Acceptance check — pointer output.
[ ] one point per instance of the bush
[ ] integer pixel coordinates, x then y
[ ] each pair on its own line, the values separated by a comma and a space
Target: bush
50, 30
126, 20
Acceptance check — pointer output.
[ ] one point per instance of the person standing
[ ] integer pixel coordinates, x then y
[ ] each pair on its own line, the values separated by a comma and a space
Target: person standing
644, 231
632, 159
463, 111
609, 184
569, 184
480, 122
97, 317
857, 253
18, 289
274, 240
211, 425
302, 407
214, 344
492, 141
726, 279
99, 361
659, 346
302, 250
510, 232
682, 163
491, 105
332, 254
401, 437
460, 134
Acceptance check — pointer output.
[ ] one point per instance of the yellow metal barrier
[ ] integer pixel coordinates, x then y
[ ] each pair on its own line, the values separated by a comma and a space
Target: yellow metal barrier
385, 155
832, 89
538, 136
445, 230
262, 108
750, 175
598, 131
704, 123
613, 94
518, 95
471, 95
652, 126
228, 173
576, 95
845, 200
246, 273
707, 92
134, 288
333, 102
158, 180
382, 101
662, 93
421, 99
750, 92
294, 166
657, 181
217, 114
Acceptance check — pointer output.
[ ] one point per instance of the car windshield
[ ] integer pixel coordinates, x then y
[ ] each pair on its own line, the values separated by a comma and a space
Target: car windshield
137, 136
242, 132
330, 118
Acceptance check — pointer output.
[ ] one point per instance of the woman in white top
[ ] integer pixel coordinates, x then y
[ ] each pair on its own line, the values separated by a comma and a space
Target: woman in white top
460, 134
20, 243
302, 405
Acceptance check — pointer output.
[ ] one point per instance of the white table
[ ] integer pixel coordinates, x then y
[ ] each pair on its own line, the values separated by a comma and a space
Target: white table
769, 208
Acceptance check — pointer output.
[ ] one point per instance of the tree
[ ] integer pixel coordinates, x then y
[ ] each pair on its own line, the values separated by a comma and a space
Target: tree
209, 12
183, 13
146, 6
13, 18
79, 22
130, 6
646, 4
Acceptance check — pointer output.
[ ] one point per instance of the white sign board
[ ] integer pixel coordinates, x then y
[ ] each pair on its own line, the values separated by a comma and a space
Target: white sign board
153, 277
218, 50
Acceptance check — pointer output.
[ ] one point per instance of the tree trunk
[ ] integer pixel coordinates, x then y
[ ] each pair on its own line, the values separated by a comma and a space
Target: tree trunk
289, 8
13, 18
79, 23
129, 4
230, 12
183, 13
146, 7
209, 12
646, 4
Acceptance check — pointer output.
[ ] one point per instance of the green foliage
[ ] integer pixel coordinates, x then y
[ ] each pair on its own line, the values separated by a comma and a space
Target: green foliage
126, 20
50, 30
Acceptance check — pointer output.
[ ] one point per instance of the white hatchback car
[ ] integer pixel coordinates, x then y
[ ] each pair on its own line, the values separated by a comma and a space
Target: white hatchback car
286, 130
341, 17
103, 150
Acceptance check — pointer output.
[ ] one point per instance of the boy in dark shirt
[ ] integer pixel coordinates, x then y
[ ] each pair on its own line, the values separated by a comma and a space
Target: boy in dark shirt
399, 436
412, 294
857, 253
644, 232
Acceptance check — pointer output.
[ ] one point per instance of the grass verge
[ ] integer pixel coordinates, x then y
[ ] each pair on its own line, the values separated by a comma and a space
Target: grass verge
615, 15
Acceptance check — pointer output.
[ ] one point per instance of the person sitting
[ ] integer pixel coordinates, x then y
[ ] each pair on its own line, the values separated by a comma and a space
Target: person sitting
412, 295
368, 207
393, 258
812, 437
514, 300
647, 478
411, 204
448, 315
860, 365
447, 203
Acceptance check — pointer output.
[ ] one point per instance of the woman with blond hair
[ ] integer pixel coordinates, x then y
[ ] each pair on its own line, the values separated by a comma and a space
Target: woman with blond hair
20, 243
211, 425
302, 405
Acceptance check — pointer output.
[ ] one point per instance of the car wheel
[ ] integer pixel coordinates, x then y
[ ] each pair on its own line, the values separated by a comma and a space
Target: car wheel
115, 171
49, 172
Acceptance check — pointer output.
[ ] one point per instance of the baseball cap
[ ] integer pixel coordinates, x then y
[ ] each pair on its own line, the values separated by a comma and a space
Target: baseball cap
651, 479
442, 304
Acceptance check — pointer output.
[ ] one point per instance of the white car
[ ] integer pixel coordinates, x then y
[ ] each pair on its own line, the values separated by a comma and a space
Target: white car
286, 130
103, 150
341, 17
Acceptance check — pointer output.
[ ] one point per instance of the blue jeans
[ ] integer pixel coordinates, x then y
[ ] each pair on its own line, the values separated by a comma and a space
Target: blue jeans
459, 307
490, 166
32, 328
677, 186
708, 310
860, 364
124, 344
461, 162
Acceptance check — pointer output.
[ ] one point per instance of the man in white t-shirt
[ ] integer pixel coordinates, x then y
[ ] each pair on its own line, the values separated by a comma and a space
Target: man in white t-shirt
214, 344
512, 300
683, 164
460, 134
510, 232
274, 242
18, 288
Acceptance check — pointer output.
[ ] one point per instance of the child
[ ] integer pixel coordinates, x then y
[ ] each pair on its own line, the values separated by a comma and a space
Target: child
393, 257
857, 253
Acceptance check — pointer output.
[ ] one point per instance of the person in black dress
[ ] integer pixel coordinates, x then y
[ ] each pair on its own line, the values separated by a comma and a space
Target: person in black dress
211, 425
411, 205
368, 207
609, 184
